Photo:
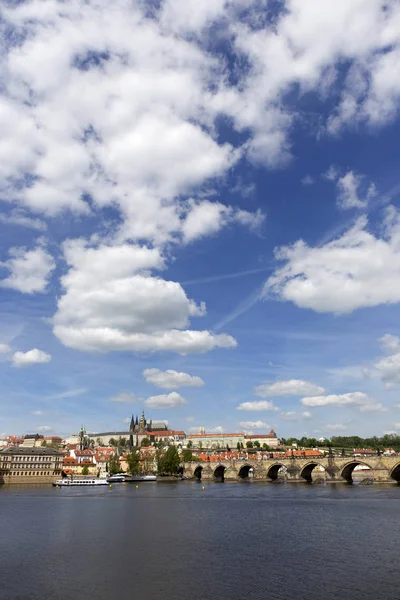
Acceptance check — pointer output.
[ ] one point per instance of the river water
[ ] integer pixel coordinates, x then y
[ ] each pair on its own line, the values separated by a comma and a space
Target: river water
178, 541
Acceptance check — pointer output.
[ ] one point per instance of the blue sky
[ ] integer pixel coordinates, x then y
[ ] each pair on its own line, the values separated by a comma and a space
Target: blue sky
199, 216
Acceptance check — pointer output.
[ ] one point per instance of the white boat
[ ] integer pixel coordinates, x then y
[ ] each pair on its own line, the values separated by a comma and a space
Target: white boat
143, 478
66, 482
116, 479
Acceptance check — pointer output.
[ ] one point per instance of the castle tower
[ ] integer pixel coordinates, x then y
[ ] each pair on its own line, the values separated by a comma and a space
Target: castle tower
131, 431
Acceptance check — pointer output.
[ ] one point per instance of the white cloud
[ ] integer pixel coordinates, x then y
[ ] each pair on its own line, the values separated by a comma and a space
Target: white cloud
306, 414
364, 267
125, 397
140, 133
32, 357
307, 180
358, 399
4, 348
349, 189
171, 380
390, 342
111, 302
292, 387
189, 419
171, 400
254, 425
30, 270
335, 427
216, 429
18, 217
331, 174
206, 218
126, 420
44, 428
289, 415
258, 405
67, 394
389, 369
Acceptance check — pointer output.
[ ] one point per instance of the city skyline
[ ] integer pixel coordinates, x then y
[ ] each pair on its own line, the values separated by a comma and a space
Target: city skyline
199, 217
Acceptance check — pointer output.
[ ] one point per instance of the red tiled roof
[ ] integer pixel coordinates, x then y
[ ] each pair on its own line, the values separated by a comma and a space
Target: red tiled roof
207, 435
260, 436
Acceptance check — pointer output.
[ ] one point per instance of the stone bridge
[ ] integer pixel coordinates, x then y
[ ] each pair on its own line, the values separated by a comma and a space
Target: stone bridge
384, 469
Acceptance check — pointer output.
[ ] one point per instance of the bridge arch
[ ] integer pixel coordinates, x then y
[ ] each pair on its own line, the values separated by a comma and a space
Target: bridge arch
273, 471
307, 471
395, 473
245, 472
198, 473
219, 473
347, 471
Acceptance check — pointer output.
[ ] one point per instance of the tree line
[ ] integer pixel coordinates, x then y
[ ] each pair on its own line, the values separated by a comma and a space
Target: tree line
351, 441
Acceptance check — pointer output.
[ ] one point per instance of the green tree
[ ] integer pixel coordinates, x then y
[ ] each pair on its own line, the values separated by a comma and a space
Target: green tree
187, 456
249, 444
190, 444
256, 444
145, 442
44, 444
238, 446
113, 465
266, 447
98, 441
133, 460
169, 462
113, 442
85, 470
122, 442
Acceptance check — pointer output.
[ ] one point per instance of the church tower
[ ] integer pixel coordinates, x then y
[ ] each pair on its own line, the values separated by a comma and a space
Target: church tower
131, 431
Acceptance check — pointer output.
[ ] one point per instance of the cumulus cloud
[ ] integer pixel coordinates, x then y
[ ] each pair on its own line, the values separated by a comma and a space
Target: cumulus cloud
147, 94
216, 429
358, 399
171, 400
363, 266
254, 425
30, 270
257, 405
171, 380
4, 348
390, 342
292, 387
388, 367
306, 414
19, 217
125, 397
307, 180
32, 357
349, 191
44, 428
206, 218
112, 302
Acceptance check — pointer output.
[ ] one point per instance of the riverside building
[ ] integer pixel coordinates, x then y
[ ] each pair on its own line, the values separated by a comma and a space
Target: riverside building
30, 465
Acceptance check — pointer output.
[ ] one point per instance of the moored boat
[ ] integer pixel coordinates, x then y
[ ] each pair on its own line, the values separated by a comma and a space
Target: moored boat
143, 478
66, 482
116, 479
